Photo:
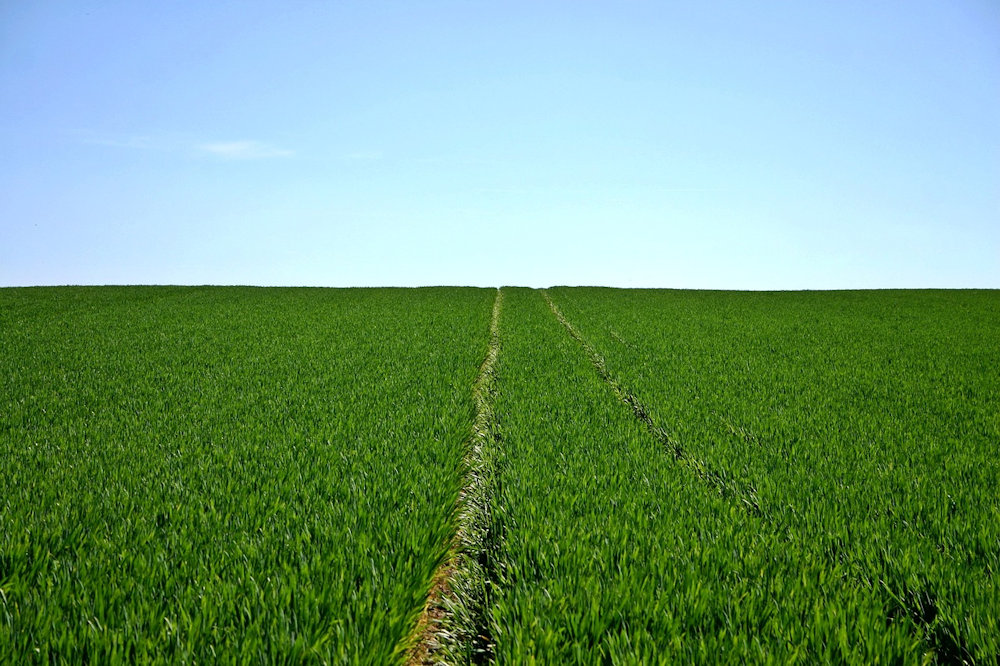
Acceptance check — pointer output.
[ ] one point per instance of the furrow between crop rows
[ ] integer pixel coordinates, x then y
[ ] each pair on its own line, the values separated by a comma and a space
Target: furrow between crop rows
718, 479
452, 627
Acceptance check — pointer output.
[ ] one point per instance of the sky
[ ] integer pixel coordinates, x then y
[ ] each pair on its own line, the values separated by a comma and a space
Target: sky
704, 144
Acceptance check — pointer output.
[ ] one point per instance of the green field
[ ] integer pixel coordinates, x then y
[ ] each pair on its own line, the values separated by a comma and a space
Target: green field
574, 475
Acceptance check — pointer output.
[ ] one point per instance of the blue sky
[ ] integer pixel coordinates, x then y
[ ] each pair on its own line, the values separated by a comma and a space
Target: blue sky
735, 145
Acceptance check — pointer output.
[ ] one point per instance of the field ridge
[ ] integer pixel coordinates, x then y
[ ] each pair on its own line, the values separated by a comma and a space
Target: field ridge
451, 627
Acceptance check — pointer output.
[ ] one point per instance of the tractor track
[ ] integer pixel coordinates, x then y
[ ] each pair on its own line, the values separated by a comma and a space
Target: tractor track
919, 603
451, 628
724, 483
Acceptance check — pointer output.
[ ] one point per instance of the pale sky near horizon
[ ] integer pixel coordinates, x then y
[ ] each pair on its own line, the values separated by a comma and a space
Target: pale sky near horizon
717, 144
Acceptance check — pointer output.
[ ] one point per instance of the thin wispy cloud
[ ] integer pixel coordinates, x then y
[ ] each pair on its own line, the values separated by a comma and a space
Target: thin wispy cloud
244, 150
181, 143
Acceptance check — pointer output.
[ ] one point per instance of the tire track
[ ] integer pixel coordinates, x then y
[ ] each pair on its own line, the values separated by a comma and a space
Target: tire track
918, 603
722, 481
452, 626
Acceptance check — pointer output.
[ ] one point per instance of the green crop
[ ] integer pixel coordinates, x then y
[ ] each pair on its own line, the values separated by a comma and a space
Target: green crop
579, 475
615, 551
863, 424
235, 475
